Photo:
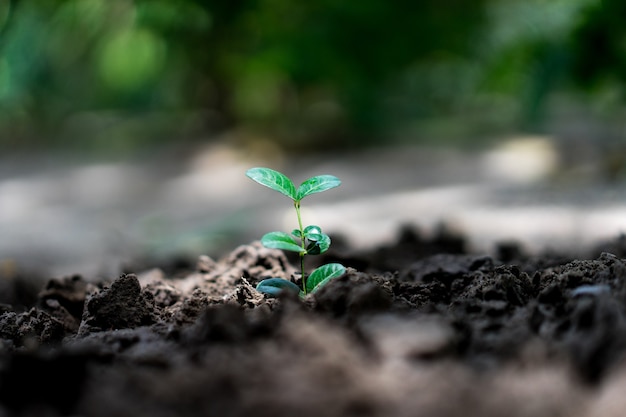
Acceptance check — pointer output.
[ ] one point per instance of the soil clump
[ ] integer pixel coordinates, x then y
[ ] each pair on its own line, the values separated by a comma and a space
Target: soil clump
421, 327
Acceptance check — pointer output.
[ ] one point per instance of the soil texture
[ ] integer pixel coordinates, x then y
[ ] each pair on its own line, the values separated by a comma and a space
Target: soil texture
422, 327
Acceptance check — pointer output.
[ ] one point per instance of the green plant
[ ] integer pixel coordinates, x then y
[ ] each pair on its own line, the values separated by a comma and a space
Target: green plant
309, 240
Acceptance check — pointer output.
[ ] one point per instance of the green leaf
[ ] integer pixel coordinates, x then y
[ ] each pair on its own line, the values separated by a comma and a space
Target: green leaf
297, 233
274, 286
317, 185
316, 237
274, 180
312, 230
280, 240
322, 275
319, 244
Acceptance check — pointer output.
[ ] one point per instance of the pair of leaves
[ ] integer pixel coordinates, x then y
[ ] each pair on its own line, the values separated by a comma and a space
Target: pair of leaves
280, 182
318, 278
318, 242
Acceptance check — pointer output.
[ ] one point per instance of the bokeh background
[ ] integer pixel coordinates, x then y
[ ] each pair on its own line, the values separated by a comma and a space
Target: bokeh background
126, 125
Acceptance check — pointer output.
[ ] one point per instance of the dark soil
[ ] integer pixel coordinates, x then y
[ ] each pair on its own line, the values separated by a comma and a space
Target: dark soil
420, 328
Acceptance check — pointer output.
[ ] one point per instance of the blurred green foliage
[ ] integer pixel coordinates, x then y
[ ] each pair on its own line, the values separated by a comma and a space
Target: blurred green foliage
599, 42
121, 74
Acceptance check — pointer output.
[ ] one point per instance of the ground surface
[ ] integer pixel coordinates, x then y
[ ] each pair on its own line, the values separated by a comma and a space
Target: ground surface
61, 215
420, 327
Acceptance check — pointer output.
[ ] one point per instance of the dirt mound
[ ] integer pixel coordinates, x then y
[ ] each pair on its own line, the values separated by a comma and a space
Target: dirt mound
418, 328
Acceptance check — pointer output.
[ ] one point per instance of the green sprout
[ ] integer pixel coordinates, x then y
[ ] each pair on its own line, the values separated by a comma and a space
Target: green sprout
307, 240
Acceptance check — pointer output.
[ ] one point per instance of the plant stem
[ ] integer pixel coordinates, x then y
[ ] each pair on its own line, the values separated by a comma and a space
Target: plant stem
296, 204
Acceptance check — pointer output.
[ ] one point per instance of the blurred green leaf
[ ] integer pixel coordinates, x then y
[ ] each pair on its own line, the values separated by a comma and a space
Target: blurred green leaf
131, 59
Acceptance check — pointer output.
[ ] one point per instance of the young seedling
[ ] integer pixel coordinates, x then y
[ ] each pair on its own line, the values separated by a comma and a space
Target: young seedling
305, 241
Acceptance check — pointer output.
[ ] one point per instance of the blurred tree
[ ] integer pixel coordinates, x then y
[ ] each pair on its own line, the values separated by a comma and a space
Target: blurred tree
119, 74
598, 46
332, 63
93, 71
527, 57
317, 67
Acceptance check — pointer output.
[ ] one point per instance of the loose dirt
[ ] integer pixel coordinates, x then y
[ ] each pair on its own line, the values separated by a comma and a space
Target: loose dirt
421, 327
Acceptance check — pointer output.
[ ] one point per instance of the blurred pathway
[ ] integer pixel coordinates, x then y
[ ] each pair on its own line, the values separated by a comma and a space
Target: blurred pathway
62, 216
